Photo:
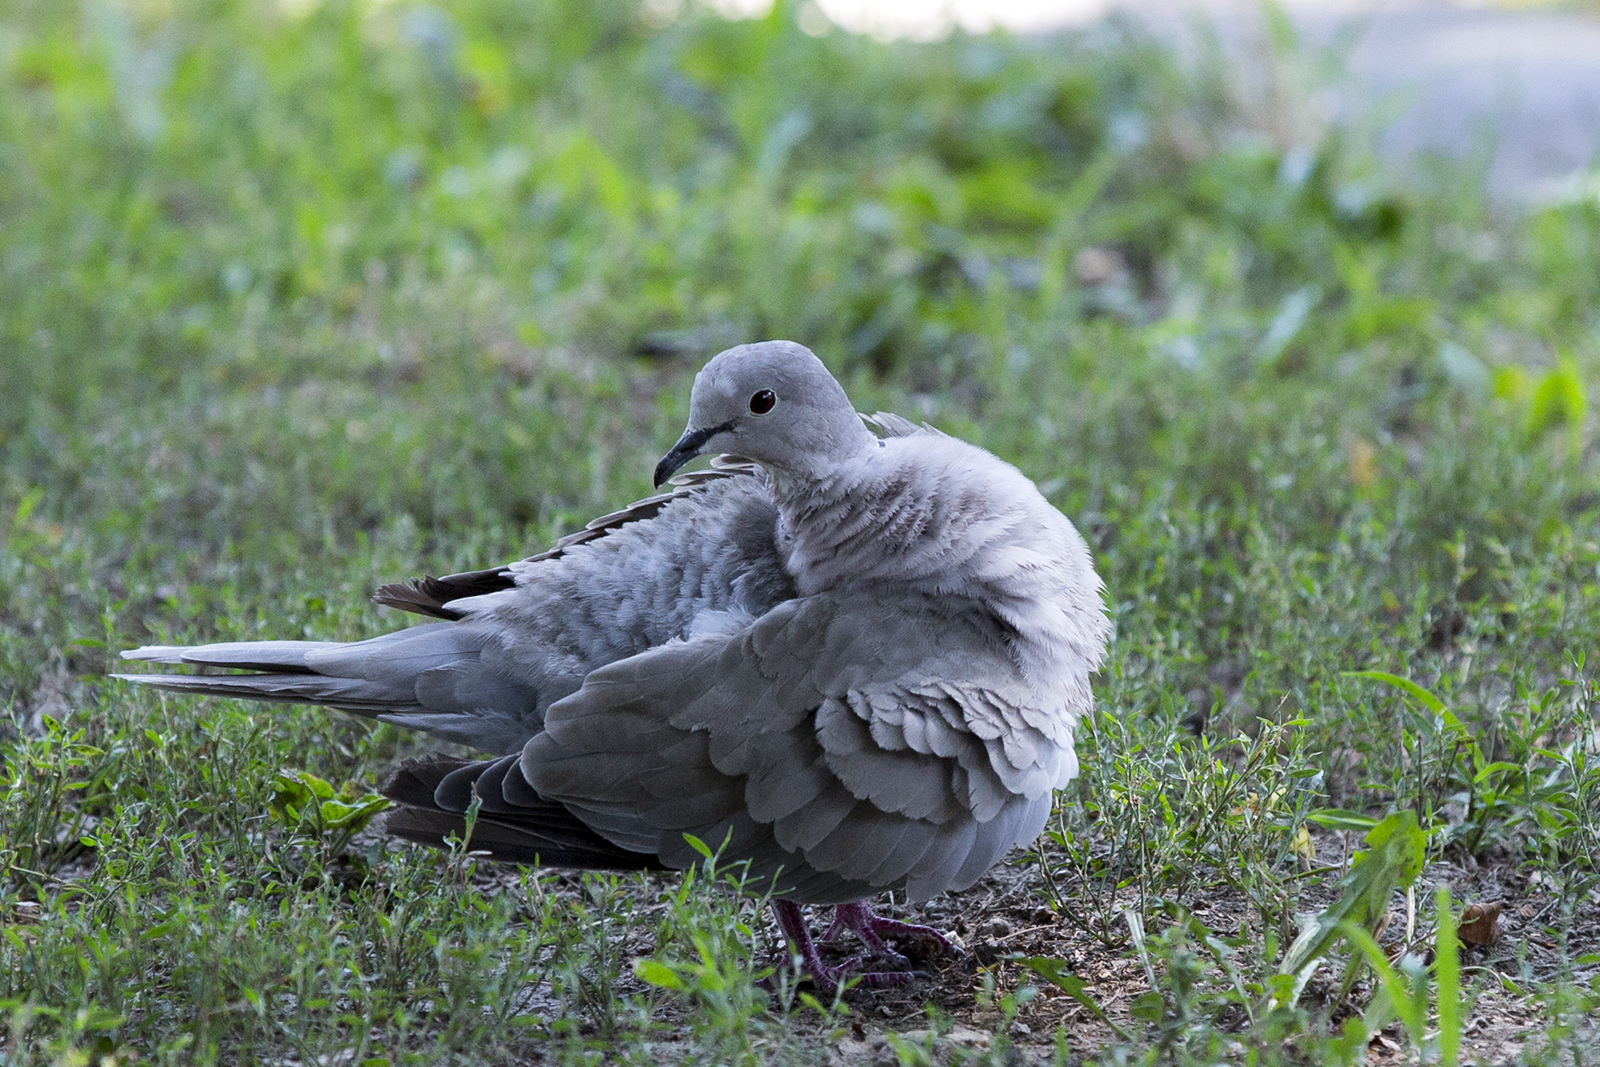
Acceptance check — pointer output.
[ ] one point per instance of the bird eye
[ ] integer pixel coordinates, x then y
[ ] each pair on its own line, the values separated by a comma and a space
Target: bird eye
763, 402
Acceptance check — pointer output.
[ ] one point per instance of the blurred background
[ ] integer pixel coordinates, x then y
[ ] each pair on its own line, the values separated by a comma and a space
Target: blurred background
334, 269
403, 260
1449, 76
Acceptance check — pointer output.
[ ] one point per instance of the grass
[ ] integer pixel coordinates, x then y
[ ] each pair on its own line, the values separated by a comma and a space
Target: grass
297, 299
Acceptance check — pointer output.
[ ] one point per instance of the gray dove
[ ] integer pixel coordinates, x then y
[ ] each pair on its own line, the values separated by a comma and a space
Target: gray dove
852, 658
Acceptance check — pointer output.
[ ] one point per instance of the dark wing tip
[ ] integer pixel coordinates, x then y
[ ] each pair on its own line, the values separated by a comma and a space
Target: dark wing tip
430, 595
543, 832
414, 781
412, 596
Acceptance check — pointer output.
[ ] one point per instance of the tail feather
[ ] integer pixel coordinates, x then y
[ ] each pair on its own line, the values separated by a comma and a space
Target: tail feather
346, 694
431, 677
244, 655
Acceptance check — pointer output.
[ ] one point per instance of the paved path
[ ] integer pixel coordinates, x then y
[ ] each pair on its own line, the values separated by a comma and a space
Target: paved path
1462, 78
1459, 76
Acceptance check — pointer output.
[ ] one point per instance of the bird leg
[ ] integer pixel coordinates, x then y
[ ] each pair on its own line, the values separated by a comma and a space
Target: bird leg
826, 978
859, 918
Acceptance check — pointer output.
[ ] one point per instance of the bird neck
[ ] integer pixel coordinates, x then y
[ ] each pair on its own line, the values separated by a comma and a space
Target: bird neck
824, 466
857, 519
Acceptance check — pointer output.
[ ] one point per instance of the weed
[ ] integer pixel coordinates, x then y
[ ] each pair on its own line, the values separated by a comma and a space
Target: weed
1172, 817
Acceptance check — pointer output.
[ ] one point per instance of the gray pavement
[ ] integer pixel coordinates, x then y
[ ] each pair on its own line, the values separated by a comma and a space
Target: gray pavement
1522, 84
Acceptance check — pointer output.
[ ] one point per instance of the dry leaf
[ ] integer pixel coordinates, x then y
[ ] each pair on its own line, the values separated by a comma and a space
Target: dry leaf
1363, 462
1480, 924
1304, 848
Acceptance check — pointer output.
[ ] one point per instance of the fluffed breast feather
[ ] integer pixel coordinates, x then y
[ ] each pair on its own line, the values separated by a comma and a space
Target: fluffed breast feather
935, 514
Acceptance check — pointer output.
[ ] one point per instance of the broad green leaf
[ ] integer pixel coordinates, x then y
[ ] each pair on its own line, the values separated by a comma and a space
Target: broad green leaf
1491, 769
1341, 819
699, 846
1421, 695
307, 805
1147, 1007
1403, 995
1558, 400
1447, 955
1392, 861
339, 815
656, 973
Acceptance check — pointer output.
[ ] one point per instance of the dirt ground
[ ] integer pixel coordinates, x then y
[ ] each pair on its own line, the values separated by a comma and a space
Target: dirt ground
1007, 901
1005, 915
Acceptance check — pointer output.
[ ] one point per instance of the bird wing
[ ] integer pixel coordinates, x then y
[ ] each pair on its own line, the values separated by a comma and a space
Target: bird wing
888, 424
635, 579
433, 596
857, 742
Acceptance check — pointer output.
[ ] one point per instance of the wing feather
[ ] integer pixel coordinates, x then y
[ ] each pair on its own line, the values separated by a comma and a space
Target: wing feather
852, 744
433, 596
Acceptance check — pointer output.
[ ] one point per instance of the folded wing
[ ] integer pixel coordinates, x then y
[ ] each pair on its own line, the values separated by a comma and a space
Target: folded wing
844, 745
519, 638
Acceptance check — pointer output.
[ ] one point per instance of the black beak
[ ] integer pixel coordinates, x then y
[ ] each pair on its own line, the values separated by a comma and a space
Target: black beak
688, 447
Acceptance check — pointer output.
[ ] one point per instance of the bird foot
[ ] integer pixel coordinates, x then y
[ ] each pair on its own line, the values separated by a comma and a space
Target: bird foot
850, 968
859, 919
872, 928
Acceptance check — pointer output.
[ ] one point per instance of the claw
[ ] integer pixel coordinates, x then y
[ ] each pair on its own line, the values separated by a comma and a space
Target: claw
856, 918
872, 928
842, 925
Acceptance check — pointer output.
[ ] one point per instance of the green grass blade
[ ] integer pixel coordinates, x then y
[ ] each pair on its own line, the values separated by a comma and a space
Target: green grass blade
1448, 964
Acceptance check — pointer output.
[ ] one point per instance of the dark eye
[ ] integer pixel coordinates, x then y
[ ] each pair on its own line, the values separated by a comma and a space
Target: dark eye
763, 402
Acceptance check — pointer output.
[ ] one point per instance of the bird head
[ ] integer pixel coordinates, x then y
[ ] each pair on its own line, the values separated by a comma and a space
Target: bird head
774, 403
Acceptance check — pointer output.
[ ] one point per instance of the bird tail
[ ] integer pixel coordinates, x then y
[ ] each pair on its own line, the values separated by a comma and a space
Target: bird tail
430, 677
512, 823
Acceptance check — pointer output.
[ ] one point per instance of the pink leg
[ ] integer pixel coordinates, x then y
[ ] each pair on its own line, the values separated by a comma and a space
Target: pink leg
847, 920
859, 918
792, 921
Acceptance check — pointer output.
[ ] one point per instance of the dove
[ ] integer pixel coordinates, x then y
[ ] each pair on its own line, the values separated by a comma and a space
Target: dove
852, 652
